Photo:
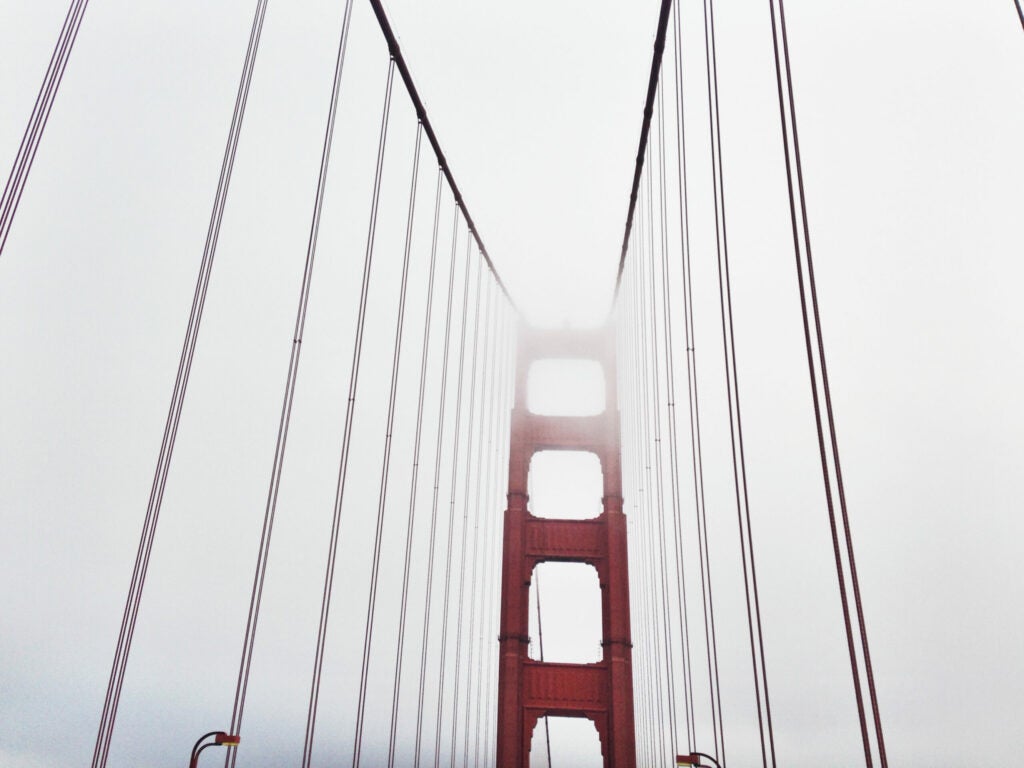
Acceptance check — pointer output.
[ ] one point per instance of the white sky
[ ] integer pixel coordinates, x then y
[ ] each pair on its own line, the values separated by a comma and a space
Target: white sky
911, 116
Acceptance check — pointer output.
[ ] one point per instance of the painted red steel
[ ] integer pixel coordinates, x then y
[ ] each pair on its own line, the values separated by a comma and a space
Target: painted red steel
529, 689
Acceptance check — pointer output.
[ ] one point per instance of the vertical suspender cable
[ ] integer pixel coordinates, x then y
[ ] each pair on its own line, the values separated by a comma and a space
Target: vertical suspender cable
488, 564
413, 482
138, 580
764, 717
643, 635
501, 450
33, 134
647, 488
631, 461
438, 453
396, 359
540, 648
465, 514
483, 470
670, 385
652, 447
652, 442
439, 710
339, 496
473, 461
696, 443
789, 131
1020, 12
656, 386
638, 595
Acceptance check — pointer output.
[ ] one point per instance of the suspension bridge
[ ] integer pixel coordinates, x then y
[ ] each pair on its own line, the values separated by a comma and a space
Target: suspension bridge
475, 540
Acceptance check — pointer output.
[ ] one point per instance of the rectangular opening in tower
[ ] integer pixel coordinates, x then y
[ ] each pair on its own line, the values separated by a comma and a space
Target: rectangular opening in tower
565, 485
565, 387
570, 613
574, 743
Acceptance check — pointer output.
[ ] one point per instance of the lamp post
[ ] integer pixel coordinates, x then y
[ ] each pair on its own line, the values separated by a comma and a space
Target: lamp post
694, 759
220, 739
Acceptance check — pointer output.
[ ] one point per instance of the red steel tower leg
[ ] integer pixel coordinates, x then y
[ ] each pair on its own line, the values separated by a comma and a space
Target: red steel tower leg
528, 689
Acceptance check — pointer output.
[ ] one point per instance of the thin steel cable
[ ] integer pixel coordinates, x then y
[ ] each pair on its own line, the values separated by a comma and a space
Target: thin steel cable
482, 569
647, 503
624, 391
325, 600
641, 492
490, 561
37, 119
788, 129
663, 552
27, 137
438, 452
670, 367
540, 648
385, 473
410, 524
471, 464
40, 116
451, 513
652, 444
1020, 12
631, 491
696, 446
474, 462
732, 391
483, 470
141, 566
837, 464
639, 595
503, 449
650, 720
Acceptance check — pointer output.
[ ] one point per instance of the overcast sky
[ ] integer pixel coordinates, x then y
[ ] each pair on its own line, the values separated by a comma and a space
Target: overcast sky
911, 119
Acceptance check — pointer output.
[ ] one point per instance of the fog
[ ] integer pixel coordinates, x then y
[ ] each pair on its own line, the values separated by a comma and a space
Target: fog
911, 116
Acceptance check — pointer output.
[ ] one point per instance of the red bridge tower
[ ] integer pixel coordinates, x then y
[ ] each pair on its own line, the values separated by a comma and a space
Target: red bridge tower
529, 689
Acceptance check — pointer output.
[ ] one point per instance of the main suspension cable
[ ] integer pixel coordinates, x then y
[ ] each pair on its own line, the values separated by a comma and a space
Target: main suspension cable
156, 493
421, 114
645, 127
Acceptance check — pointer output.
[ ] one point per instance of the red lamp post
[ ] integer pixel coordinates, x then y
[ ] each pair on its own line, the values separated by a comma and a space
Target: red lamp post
219, 739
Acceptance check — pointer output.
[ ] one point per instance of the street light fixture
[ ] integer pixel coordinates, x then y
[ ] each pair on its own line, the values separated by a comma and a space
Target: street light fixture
694, 759
220, 739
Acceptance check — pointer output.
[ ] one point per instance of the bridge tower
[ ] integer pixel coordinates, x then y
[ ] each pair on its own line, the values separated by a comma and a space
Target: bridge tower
530, 689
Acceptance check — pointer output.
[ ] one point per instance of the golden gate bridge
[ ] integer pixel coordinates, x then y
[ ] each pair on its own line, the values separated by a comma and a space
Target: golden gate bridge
432, 553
